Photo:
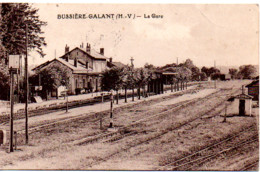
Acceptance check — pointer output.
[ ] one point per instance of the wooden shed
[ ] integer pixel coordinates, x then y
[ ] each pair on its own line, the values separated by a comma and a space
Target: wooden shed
241, 104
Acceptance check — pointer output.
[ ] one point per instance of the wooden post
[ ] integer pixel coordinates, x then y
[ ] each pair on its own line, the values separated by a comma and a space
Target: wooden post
147, 93
57, 96
133, 91
111, 111
117, 96
18, 85
250, 107
144, 91
101, 119
125, 94
154, 84
162, 86
225, 115
139, 93
67, 102
47, 95
15, 140
148, 89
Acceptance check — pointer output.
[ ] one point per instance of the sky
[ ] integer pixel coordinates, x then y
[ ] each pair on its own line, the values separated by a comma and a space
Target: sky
226, 33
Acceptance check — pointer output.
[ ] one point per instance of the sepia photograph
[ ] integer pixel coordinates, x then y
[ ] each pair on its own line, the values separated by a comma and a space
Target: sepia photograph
129, 86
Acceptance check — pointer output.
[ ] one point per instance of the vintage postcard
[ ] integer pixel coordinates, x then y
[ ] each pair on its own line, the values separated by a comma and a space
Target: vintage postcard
87, 86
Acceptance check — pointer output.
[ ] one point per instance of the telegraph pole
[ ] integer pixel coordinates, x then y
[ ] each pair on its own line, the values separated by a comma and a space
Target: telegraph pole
13, 65
132, 70
26, 86
215, 82
12, 110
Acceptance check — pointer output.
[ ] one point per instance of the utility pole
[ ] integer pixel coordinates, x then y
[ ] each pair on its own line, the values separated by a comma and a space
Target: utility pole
132, 70
26, 86
215, 82
12, 110
13, 65
177, 61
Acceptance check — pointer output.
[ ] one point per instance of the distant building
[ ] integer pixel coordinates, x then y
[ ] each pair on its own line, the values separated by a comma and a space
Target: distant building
253, 89
86, 66
224, 77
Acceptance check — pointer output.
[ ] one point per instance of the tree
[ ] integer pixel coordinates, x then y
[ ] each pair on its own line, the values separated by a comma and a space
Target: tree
194, 69
128, 79
149, 66
247, 71
15, 16
184, 75
112, 78
210, 71
54, 76
203, 76
195, 73
188, 63
206, 71
233, 72
141, 76
4, 81
4, 75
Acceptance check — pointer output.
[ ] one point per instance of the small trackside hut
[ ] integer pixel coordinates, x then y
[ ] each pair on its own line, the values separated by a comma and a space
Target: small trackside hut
241, 104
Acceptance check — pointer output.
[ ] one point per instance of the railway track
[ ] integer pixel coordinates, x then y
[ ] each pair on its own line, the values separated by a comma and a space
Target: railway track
121, 131
251, 166
125, 131
155, 136
200, 161
94, 117
207, 153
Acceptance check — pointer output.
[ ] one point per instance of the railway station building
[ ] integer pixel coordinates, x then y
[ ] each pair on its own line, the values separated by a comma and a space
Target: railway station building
86, 66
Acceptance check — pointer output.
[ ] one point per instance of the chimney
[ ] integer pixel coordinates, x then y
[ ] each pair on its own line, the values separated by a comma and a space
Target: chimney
75, 62
88, 48
102, 51
67, 58
81, 45
110, 59
67, 49
87, 64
